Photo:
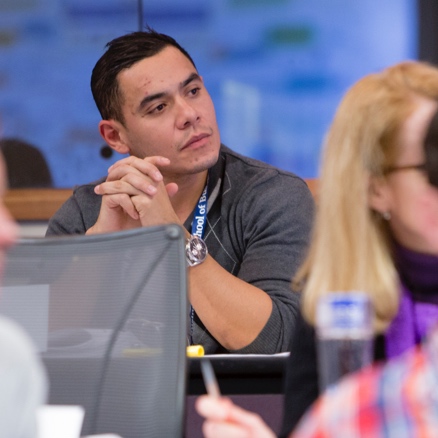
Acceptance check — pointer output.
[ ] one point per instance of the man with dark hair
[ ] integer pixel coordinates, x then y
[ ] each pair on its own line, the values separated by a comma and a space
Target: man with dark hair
122, 53
247, 223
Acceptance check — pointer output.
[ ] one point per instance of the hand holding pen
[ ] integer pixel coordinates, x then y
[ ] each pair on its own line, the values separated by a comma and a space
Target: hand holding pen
222, 416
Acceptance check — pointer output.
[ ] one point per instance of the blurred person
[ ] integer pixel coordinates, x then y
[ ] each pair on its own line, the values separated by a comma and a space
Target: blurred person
396, 399
247, 223
376, 230
25, 164
22, 377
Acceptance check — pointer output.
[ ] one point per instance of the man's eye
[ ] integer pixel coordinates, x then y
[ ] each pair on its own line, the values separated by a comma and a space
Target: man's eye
194, 91
158, 108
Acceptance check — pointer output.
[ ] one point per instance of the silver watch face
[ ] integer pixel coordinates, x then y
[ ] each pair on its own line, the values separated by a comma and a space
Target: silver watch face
196, 250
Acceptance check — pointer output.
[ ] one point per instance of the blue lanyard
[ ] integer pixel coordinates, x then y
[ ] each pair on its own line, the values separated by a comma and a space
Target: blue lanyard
198, 229
200, 219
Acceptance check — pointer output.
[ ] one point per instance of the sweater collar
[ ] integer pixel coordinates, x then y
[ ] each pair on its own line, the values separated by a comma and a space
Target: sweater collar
418, 271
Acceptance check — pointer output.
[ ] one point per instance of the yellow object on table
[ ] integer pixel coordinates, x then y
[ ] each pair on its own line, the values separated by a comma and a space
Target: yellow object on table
195, 351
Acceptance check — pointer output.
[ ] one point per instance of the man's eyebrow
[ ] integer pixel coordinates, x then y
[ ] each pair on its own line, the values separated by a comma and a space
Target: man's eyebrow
191, 78
149, 99
152, 97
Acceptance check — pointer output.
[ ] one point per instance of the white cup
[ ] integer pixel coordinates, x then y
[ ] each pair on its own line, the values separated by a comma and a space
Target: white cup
55, 421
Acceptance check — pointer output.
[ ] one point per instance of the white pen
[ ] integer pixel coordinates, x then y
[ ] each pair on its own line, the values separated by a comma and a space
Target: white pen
209, 377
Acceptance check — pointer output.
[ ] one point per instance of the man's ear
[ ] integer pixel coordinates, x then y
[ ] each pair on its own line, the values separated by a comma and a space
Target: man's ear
378, 194
112, 132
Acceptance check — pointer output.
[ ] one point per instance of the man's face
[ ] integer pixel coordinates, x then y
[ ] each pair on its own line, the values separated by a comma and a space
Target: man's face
169, 112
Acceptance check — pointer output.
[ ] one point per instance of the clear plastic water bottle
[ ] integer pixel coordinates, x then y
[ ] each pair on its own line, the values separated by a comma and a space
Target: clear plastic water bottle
344, 335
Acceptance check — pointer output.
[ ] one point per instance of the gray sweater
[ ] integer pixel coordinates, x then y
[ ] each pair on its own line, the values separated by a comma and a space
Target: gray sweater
258, 226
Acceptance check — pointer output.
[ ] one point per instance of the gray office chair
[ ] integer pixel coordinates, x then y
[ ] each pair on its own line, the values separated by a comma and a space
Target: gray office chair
108, 314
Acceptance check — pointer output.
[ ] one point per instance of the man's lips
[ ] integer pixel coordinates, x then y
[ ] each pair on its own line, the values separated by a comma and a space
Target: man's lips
195, 139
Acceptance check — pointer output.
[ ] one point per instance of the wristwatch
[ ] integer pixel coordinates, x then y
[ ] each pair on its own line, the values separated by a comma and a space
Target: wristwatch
196, 251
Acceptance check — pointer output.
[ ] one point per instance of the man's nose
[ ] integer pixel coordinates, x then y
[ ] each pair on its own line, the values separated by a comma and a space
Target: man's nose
187, 114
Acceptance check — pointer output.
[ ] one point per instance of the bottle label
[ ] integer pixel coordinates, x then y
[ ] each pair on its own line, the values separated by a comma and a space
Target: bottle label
344, 315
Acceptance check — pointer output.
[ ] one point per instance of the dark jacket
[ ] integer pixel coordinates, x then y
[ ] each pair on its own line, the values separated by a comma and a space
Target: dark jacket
301, 381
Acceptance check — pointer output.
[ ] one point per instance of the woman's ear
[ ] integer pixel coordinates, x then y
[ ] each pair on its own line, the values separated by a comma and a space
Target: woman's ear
112, 132
378, 194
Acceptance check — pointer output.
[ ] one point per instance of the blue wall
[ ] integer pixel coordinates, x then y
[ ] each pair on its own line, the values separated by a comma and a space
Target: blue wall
276, 69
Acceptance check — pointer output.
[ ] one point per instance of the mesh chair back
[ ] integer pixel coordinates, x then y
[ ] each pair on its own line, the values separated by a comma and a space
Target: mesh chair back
109, 316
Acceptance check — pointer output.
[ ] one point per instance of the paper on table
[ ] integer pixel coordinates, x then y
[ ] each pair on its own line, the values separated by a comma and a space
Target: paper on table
231, 355
105, 435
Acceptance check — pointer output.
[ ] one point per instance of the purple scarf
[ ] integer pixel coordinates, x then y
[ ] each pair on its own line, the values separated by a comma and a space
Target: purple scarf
418, 309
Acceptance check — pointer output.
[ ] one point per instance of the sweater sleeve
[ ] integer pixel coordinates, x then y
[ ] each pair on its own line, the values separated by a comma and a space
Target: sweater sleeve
276, 236
77, 214
67, 220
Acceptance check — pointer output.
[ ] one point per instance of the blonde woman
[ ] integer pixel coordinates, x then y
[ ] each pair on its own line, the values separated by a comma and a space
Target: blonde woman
376, 230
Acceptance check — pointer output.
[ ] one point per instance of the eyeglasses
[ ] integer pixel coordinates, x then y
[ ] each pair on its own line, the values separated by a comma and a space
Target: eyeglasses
391, 169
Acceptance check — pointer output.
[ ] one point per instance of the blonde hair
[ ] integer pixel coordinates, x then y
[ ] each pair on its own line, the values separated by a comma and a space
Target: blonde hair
350, 248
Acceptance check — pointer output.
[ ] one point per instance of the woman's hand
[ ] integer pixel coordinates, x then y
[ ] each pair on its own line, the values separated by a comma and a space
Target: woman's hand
225, 419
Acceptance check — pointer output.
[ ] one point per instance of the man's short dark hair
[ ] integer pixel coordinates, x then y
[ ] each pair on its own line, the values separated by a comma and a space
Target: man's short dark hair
122, 53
